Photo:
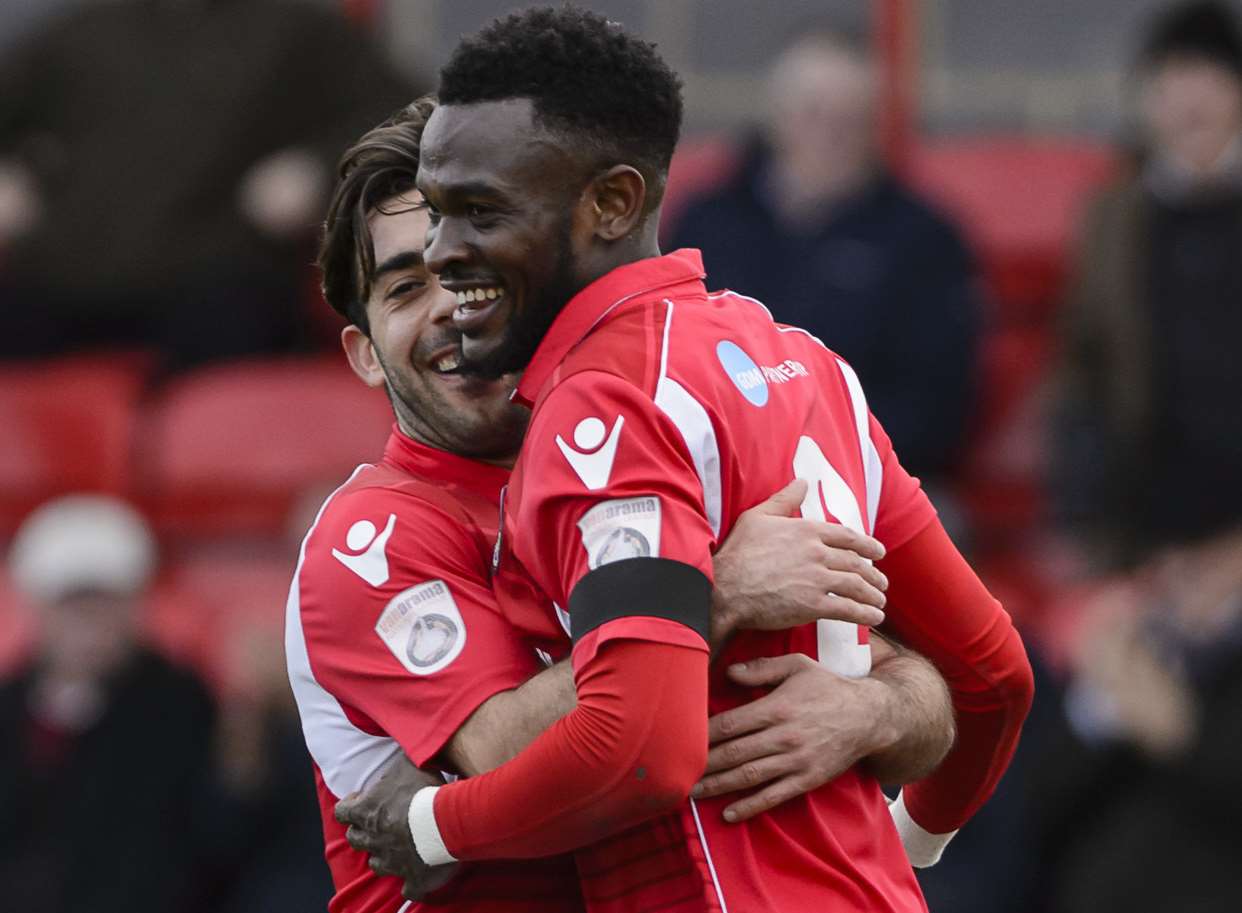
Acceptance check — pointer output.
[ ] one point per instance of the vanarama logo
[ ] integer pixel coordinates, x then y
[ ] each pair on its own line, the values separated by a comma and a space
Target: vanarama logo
752, 379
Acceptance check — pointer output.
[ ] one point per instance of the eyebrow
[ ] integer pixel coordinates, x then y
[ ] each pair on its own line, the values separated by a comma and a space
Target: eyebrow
407, 259
472, 189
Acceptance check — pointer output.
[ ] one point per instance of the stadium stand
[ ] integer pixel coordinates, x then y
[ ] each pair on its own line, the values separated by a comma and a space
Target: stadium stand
68, 425
230, 450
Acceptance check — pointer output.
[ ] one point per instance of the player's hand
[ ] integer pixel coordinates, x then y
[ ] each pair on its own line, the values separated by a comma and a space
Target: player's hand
777, 571
378, 825
812, 727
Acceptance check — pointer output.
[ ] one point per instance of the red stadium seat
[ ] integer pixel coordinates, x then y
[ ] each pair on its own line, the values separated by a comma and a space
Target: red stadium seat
67, 426
231, 450
1020, 201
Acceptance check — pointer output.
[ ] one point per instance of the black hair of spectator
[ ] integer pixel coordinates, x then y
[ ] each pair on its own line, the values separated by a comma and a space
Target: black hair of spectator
1202, 29
590, 80
381, 165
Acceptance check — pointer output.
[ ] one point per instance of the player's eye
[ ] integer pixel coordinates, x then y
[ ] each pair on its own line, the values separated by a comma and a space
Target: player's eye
405, 287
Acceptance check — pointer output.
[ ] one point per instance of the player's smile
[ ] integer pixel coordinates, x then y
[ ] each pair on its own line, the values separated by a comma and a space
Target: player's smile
500, 197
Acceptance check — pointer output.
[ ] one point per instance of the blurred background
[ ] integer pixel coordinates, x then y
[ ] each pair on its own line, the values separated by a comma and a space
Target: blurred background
1021, 222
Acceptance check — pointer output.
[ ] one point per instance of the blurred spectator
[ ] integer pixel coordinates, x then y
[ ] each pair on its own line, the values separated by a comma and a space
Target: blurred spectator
105, 745
1142, 792
814, 226
1150, 433
122, 786
163, 164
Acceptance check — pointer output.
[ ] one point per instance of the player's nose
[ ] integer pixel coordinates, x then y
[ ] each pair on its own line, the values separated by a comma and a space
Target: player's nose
443, 303
446, 246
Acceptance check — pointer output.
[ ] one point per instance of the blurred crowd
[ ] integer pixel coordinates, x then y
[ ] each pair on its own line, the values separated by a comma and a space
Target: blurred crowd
163, 168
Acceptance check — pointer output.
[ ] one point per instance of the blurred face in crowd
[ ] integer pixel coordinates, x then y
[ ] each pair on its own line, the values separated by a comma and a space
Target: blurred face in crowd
88, 636
503, 196
415, 351
823, 115
1192, 110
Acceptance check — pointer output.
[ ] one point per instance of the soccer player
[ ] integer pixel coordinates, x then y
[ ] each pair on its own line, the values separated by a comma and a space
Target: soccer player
395, 645
659, 414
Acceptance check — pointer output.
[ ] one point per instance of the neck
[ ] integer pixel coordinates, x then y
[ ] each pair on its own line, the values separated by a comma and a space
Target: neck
641, 244
505, 461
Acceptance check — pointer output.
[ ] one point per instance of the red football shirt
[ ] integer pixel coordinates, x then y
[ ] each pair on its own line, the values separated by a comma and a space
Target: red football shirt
393, 639
660, 414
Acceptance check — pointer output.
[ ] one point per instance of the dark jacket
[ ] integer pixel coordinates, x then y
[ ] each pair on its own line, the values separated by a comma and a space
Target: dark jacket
113, 828
882, 279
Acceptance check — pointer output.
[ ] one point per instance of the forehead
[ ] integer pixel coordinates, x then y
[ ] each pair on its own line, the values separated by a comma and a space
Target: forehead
496, 143
397, 226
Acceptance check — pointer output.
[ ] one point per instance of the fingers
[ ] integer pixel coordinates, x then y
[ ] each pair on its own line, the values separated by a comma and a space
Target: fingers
784, 503
349, 809
842, 608
835, 535
766, 670
769, 797
361, 840
848, 563
745, 776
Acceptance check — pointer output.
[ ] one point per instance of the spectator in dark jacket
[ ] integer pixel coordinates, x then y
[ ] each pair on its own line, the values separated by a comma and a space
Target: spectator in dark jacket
163, 167
105, 749
814, 226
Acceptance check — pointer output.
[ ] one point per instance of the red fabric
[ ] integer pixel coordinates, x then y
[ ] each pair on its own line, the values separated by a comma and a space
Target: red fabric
634, 745
660, 414
938, 607
369, 683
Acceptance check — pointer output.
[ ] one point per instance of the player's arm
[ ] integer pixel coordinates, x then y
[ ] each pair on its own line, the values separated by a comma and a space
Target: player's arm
816, 724
939, 607
773, 571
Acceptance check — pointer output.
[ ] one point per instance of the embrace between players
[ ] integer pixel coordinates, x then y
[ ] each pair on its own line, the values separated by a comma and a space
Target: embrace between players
567, 630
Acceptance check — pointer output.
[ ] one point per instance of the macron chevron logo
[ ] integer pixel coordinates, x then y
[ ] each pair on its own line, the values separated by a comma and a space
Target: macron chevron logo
592, 453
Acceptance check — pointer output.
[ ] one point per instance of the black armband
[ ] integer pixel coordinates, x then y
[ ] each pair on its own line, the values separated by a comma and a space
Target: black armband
647, 587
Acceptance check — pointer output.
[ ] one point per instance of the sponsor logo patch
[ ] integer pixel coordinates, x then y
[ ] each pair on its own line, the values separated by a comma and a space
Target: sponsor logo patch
622, 528
371, 560
423, 627
742, 370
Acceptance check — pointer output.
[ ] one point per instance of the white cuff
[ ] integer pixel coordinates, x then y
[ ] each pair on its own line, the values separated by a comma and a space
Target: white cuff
425, 831
923, 848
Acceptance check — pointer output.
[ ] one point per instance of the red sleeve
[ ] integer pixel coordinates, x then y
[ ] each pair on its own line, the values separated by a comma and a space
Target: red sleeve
634, 746
904, 509
605, 476
938, 607
401, 626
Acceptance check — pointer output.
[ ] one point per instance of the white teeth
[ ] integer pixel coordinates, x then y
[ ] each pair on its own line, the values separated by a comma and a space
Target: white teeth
474, 295
448, 362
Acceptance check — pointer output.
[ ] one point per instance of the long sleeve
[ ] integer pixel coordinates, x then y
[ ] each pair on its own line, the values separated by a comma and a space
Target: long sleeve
631, 749
939, 607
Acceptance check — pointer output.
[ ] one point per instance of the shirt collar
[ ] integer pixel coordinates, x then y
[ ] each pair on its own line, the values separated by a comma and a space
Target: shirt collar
598, 301
426, 462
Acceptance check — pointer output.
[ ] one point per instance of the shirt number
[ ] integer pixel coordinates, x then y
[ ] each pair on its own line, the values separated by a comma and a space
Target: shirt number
842, 646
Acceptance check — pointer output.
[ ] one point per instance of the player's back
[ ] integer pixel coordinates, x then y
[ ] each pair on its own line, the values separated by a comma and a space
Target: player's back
758, 405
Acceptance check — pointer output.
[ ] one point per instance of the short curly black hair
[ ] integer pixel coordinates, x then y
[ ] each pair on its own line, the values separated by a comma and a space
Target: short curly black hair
586, 76
381, 165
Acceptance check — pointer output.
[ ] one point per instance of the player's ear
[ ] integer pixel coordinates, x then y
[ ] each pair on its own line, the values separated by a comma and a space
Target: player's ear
618, 197
362, 356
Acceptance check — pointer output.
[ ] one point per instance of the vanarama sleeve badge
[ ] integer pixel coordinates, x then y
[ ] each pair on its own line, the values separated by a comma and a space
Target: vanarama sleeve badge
423, 627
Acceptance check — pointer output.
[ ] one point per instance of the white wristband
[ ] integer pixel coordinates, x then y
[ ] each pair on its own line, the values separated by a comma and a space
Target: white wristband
923, 848
425, 831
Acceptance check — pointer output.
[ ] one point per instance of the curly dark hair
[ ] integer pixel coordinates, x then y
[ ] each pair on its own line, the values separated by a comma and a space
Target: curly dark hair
586, 76
381, 165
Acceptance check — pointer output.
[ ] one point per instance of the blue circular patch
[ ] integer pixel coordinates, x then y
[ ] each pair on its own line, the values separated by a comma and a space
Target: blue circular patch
743, 371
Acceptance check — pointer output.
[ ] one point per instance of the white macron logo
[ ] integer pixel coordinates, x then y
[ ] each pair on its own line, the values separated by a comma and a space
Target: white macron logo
591, 456
372, 562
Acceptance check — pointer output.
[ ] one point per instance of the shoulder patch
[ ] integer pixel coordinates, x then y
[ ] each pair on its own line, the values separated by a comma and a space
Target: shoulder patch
621, 528
423, 627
